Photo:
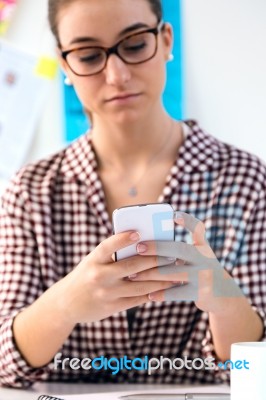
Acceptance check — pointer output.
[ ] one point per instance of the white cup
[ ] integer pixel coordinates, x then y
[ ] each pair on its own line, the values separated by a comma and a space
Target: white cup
248, 371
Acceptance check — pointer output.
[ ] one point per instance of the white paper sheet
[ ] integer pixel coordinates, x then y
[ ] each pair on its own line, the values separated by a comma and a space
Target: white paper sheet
22, 94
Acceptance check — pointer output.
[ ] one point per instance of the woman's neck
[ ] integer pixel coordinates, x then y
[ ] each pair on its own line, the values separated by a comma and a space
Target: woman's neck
123, 146
133, 162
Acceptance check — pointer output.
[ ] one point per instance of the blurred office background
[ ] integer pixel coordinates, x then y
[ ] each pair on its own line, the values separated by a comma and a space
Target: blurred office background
223, 71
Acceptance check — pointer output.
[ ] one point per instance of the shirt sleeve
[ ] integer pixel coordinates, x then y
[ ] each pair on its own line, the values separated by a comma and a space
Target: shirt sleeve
250, 269
20, 283
249, 272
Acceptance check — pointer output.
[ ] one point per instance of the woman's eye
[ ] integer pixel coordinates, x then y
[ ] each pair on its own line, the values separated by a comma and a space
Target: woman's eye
134, 47
90, 58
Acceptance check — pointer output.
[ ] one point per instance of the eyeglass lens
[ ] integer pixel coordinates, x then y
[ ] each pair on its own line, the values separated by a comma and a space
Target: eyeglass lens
133, 50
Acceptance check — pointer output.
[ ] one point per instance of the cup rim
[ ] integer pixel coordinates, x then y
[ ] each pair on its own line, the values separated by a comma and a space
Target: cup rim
250, 344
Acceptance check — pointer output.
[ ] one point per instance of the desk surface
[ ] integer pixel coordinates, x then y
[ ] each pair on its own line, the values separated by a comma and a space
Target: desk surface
59, 388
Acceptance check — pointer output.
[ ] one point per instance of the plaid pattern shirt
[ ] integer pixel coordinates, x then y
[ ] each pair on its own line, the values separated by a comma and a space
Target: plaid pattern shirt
53, 214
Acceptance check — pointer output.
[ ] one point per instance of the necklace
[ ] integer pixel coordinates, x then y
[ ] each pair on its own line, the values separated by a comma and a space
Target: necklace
133, 191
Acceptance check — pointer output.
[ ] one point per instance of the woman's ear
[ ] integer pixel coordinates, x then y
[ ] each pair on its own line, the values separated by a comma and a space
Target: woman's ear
63, 66
61, 61
168, 37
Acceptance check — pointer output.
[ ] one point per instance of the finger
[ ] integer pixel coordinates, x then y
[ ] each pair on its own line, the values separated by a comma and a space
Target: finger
175, 293
193, 225
180, 250
133, 265
109, 246
129, 302
163, 273
200, 256
133, 289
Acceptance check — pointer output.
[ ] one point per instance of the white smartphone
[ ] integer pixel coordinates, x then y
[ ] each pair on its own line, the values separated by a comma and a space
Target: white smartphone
152, 221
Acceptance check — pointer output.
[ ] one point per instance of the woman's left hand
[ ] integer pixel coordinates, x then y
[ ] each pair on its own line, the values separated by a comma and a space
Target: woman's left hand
198, 274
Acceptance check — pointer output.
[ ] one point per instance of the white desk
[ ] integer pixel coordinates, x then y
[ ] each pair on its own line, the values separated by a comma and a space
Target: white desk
59, 388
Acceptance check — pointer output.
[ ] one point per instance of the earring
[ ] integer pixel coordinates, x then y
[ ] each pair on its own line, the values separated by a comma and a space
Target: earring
170, 57
67, 81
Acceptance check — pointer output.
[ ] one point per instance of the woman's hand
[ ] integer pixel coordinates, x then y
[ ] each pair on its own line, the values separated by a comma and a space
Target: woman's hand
99, 287
204, 279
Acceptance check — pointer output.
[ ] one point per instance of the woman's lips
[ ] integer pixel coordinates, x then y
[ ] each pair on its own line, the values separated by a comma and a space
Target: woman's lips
123, 98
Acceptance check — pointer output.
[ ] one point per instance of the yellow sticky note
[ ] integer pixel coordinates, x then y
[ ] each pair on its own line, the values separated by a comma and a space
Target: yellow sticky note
46, 67
3, 27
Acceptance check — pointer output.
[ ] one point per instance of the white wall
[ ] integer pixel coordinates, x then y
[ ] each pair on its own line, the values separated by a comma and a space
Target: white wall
225, 70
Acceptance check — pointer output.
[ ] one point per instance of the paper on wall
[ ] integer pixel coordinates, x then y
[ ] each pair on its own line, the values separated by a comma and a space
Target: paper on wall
24, 88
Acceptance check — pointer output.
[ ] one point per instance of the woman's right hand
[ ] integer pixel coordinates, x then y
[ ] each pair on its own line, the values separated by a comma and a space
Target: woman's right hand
98, 287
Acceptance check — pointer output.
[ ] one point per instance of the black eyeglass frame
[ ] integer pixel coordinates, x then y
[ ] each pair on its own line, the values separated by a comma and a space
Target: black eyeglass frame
114, 49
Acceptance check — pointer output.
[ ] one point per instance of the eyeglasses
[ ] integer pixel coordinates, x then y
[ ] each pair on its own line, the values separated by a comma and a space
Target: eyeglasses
133, 49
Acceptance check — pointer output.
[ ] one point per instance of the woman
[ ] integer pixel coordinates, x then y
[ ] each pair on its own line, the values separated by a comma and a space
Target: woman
62, 294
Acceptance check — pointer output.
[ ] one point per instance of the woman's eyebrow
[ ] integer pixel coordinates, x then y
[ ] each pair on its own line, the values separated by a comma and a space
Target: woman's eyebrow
129, 29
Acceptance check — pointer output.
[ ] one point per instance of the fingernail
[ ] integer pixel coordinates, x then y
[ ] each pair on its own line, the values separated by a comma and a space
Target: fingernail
141, 248
171, 259
132, 276
134, 236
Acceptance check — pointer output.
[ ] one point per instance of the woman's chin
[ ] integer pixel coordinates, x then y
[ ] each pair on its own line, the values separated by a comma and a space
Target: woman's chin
127, 117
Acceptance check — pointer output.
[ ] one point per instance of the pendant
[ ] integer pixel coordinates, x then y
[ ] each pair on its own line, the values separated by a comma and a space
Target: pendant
133, 191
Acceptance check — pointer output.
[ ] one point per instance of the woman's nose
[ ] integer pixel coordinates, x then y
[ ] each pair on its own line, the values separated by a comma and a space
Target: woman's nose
116, 71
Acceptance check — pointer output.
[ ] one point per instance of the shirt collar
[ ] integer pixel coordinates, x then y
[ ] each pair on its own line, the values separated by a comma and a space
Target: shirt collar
198, 153
79, 163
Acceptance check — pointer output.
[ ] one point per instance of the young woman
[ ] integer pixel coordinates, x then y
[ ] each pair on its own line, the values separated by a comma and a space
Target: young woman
60, 289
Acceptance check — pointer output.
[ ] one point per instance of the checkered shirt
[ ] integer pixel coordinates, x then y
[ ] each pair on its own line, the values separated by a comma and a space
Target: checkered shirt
53, 214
